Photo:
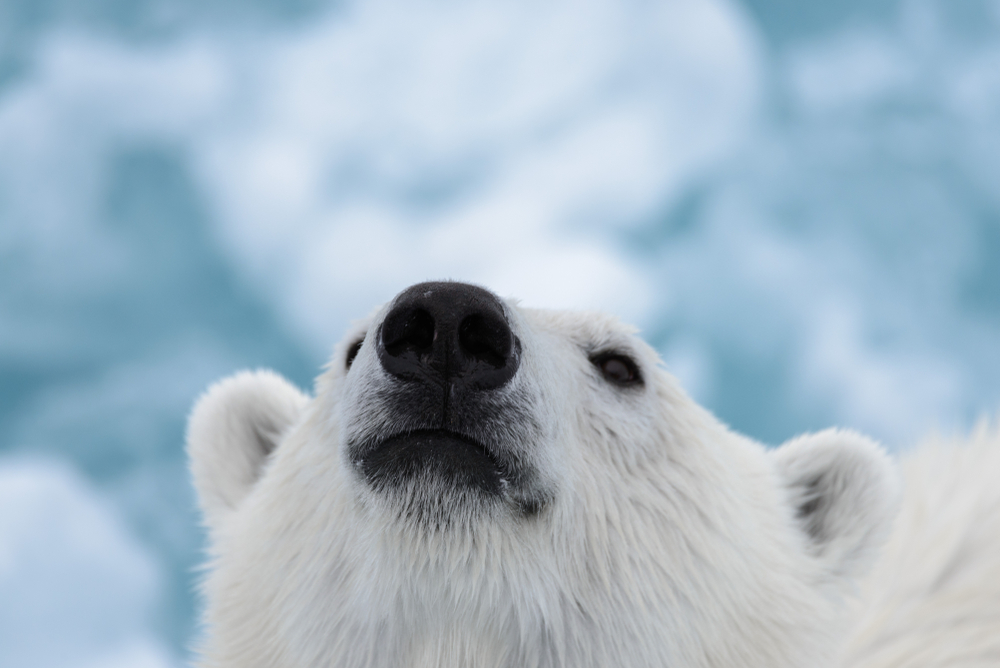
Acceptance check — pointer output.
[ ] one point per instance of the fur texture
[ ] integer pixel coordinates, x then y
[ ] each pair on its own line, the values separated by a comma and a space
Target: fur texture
933, 598
659, 537
235, 425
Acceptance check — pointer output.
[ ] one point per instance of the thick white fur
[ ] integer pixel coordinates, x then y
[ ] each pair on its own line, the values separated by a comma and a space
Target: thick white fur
670, 541
233, 428
933, 598
843, 476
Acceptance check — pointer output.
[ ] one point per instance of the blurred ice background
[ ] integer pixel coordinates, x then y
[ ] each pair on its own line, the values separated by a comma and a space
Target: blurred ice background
798, 202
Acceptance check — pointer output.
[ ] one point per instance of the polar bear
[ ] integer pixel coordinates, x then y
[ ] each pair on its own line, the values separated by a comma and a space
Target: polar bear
478, 484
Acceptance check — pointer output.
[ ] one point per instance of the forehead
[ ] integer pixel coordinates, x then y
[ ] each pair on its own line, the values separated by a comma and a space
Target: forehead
589, 330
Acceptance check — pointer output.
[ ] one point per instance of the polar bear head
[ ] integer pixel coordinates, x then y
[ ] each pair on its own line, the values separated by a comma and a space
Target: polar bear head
479, 484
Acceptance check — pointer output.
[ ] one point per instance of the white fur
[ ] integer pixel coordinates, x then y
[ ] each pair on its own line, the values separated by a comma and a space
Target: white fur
668, 541
234, 426
845, 476
933, 598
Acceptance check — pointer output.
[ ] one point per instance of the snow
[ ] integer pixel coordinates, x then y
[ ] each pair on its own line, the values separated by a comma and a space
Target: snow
78, 590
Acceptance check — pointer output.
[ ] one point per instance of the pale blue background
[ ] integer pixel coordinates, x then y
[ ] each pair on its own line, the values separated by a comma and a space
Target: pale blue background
797, 202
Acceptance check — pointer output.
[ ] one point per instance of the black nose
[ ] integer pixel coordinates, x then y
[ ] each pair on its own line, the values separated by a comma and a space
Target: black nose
449, 333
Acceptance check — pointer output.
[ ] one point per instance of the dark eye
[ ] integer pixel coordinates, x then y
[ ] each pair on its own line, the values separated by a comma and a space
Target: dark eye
352, 352
618, 369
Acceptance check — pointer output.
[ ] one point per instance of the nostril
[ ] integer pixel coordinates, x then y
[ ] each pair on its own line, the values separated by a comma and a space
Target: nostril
408, 330
486, 339
448, 336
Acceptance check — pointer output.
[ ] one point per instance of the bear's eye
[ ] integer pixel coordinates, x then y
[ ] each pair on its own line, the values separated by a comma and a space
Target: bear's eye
352, 352
618, 369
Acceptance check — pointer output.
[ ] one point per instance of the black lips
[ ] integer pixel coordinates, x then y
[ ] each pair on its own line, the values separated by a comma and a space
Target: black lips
461, 462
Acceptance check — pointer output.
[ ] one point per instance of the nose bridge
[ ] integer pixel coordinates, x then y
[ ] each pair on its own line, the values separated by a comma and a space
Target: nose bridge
449, 333
449, 304
450, 299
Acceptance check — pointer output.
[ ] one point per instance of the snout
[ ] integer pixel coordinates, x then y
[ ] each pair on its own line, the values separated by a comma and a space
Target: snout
445, 422
452, 335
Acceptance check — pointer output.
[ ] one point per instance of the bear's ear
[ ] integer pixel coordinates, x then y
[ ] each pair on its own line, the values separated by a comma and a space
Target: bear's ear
844, 492
234, 426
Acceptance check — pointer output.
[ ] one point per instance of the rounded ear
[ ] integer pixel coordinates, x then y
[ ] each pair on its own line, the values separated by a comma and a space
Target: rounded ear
233, 428
844, 493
